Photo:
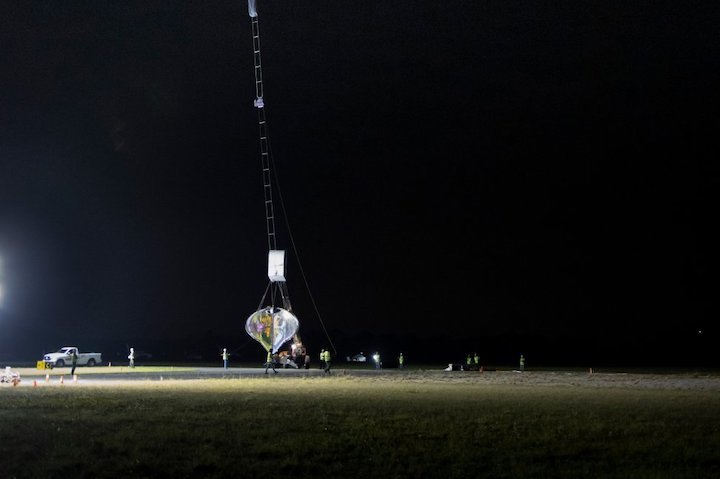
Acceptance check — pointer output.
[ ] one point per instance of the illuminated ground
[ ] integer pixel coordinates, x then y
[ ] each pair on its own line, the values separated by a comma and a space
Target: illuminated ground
158, 422
698, 381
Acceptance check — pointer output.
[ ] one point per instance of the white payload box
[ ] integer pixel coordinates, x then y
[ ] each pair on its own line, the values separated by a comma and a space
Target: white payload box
276, 265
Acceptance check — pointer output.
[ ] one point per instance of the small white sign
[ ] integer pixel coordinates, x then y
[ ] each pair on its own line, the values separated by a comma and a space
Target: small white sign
276, 265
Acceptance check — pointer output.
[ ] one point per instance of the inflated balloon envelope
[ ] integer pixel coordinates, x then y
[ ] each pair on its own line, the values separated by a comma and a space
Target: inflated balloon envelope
281, 324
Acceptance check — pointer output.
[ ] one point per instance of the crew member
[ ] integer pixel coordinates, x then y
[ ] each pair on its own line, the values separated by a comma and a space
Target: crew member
326, 358
270, 363
74, 362
225, 357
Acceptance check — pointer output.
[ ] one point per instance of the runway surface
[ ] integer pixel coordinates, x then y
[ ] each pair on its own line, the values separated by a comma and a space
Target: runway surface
103, 375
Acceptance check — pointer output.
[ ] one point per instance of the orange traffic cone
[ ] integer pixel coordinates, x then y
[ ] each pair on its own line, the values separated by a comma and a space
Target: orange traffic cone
34, 384
62, 379
74, 378
482, 369
47, 378
590, 371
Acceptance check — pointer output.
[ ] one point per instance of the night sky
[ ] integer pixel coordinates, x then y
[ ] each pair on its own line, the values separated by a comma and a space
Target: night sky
488, 175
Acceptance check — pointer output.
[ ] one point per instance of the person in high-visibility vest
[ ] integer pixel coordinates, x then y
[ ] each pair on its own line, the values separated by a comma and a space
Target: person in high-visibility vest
225, 357
401, 361
522, 363
270, 363
476, 361
468, 362
327, 358
131, 358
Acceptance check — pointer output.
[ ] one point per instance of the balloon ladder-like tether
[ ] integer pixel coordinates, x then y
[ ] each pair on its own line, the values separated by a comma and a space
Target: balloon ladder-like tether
268, 174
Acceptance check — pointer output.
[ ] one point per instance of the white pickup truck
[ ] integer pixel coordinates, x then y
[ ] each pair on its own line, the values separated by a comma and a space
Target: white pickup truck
64, 357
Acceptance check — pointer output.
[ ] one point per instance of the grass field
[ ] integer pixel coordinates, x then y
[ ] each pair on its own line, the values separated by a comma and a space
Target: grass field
411, 425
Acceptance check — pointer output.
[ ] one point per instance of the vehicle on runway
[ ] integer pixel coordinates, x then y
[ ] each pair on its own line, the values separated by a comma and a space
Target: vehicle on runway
358, 358
63, 357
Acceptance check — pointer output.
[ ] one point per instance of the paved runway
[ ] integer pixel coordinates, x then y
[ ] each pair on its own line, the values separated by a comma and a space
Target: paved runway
123, 373
688, 380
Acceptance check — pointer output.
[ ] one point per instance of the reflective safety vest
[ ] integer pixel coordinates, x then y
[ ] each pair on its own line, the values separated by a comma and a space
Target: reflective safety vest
401, 359
477, 359
326, 356
468, 359
269, 357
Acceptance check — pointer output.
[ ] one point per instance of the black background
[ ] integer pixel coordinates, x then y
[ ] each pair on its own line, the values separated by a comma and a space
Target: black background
500, 177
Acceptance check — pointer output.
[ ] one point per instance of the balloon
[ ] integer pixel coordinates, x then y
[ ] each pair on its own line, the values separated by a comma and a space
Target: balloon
282, 324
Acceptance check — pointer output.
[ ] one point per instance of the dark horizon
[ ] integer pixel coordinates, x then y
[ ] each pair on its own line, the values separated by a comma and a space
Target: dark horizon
540, 352
485, 170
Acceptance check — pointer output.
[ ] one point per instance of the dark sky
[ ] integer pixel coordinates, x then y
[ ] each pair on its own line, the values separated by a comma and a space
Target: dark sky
464, 168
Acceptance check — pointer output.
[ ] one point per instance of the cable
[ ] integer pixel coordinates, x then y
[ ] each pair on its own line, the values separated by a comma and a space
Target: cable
264, 296
278, 189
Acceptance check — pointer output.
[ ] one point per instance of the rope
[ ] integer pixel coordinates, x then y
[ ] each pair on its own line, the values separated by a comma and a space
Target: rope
278, 189
262, 301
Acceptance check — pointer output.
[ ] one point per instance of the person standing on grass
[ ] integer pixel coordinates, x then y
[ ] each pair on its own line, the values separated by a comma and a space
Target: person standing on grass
74, 362
327, 359
401, 361
307, 361
225, 357
376, 358
468, 361
522, 363
270, 363
322, 359
476, 361
131, 358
